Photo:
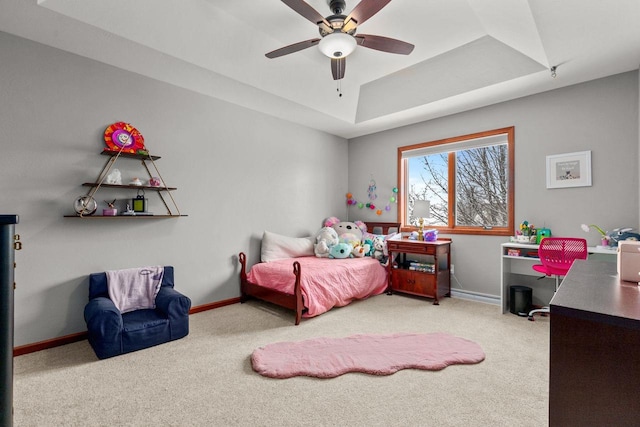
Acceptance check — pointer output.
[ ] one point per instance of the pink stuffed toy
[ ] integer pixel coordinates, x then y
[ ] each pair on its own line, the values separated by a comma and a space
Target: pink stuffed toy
343, 227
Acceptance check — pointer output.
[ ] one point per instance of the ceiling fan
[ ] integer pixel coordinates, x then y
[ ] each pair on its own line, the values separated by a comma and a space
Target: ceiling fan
338, 33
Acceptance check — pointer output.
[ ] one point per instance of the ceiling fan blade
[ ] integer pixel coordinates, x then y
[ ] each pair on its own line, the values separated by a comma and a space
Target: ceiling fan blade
363, 11
338, 66
292, 48
310, 13
384, 44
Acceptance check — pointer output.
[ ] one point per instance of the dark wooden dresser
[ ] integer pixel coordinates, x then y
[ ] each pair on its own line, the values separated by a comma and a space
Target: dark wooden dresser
594, 370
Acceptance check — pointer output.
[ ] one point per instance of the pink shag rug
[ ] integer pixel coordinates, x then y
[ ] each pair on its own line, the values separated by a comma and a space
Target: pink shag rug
371, 354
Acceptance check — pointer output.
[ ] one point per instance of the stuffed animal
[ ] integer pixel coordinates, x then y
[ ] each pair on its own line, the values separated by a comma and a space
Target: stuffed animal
341, 250
368, 243
342, 227
380, 248
325, 239
361, 250
350, 239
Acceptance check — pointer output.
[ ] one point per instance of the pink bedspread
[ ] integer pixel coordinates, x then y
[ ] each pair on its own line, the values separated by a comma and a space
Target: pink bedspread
325, 282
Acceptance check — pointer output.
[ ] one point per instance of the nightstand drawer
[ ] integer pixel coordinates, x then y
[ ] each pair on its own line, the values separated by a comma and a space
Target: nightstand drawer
412, 246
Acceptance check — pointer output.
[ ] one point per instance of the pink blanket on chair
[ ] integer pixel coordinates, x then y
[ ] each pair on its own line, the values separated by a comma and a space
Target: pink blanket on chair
134, 288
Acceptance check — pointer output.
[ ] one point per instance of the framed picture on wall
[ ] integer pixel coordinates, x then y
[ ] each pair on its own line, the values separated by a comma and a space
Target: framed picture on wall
569, 170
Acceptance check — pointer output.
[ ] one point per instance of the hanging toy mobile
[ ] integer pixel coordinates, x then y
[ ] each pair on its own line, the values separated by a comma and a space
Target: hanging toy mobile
371, 191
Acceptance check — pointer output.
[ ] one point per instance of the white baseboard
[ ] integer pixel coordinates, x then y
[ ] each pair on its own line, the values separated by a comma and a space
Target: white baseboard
474, 296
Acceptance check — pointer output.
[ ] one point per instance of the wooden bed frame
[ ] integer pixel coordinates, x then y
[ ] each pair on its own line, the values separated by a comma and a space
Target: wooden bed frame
292, 301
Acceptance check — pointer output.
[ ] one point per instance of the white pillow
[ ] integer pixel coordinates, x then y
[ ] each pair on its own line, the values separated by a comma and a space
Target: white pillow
276, 246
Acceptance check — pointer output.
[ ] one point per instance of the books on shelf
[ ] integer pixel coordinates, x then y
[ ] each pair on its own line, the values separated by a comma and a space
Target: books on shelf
426, 267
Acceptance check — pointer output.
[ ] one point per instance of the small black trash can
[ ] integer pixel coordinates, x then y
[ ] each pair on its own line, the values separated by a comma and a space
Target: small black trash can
520, 300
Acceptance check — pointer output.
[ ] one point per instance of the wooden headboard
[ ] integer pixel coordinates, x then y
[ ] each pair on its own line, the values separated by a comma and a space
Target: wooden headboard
382, 227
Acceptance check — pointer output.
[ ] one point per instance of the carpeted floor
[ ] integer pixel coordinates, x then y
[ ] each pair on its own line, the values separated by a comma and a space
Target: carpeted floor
206, 379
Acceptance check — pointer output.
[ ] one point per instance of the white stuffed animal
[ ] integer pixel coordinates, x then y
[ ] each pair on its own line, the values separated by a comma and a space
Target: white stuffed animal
352, 228
380, 249
325, 239
115, 177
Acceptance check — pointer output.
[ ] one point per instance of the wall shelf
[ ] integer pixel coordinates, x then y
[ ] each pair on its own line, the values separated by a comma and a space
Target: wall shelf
123, 216
161, 191
131, 186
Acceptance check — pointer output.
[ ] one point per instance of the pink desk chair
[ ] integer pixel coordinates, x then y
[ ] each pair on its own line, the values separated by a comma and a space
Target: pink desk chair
557, 255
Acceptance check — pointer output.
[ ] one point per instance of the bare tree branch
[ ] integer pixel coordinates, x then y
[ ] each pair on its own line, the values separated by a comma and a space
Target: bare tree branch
481, 187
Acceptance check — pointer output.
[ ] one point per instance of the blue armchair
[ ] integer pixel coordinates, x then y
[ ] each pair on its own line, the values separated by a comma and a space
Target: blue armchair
112, 333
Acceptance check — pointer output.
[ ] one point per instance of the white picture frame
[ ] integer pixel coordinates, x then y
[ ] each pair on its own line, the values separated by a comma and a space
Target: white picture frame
569, 170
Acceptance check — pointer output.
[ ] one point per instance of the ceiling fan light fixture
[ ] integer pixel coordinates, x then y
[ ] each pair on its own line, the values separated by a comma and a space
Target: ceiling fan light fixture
337, 45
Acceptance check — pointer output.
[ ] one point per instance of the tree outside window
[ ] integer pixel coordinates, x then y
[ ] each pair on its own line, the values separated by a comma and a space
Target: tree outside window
468, 181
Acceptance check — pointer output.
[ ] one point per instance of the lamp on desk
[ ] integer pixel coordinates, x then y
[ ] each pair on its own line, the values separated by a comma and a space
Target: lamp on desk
421, 210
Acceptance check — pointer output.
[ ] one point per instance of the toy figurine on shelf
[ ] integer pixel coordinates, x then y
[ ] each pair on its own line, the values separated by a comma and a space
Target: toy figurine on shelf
526, 233
115, 177
129, 211
111, 211
154, 181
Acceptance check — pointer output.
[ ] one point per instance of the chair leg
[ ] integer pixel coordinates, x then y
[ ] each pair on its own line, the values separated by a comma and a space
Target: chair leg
544, 311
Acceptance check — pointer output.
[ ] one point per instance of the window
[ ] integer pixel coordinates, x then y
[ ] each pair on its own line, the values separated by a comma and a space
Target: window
467, 180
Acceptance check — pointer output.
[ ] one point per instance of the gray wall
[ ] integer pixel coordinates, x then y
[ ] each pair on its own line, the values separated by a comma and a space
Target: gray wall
238, 173
601, 116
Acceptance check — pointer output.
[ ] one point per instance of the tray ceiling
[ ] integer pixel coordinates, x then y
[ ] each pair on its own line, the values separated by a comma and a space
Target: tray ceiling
468, 53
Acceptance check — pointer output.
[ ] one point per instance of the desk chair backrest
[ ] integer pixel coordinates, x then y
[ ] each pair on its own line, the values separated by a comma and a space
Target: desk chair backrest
558, 253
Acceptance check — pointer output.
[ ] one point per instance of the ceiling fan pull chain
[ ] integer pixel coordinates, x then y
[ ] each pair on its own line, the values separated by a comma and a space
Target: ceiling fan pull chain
339, 88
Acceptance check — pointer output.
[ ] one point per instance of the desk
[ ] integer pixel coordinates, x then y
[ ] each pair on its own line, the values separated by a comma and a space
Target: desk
594, 362
522, 265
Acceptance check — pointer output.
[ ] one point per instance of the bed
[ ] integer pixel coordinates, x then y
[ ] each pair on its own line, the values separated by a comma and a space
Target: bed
311, 286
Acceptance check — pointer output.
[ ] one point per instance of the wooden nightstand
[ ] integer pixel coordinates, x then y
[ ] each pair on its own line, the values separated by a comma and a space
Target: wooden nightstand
426, 278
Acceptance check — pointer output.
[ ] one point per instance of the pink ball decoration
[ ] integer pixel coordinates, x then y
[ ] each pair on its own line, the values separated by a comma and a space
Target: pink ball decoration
372, 206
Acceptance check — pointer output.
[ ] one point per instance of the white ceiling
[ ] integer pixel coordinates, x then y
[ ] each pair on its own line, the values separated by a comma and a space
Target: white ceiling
468, 53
